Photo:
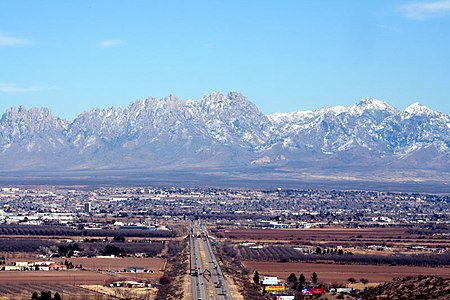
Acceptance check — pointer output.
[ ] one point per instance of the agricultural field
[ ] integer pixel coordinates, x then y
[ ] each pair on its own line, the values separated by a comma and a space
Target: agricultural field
95, 274
337, 254
337, 273
25, 290
321, 255
8, 246
118, 264
72, 277
59, 231
154, 264
339, 236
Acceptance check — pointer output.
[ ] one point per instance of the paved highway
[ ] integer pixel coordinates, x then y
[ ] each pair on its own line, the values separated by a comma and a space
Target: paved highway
197, 281
208, 275
217, 277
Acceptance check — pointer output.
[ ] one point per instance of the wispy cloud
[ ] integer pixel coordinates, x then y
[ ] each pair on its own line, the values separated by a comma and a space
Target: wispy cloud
9, 88
420, 10
8, 40
111, 43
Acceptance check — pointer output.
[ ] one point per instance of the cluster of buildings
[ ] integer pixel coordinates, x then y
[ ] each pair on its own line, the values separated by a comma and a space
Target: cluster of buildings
148, 208
274, 286
130, 283
297, 207
34, 266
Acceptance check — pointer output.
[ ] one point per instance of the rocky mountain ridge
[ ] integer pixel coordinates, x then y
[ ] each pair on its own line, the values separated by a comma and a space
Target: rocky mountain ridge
225, 130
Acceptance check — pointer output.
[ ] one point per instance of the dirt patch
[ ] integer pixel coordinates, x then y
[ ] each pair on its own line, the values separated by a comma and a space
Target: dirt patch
73, 277
25, 290
123, 293
118, 264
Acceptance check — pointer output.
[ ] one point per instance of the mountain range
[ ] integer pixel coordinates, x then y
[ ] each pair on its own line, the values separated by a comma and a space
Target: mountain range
228, 133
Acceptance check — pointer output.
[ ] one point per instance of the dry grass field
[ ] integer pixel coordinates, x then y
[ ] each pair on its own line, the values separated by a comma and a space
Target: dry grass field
10, 291
72, 277
118, 264
336, 273
108, 264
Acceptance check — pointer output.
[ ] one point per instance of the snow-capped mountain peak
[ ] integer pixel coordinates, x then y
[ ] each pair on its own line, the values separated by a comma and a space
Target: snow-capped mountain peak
417, 109
221, 128
371, 104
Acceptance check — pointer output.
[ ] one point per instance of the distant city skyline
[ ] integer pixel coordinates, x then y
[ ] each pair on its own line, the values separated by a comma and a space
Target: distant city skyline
282, 55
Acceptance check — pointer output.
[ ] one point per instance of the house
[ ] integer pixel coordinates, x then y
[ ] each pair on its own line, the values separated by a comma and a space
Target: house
12, 268
270, 281
56, 266
22, 264
129, 284
313, 291
135, 270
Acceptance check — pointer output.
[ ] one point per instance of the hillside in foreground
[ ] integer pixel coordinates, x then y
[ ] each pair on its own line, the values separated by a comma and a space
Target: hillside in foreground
410, 288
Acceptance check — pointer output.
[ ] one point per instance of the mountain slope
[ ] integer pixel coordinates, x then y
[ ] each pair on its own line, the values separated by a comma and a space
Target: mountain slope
227, 131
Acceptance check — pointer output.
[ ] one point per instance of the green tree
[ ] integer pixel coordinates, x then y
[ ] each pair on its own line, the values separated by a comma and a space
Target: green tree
163, 280
364, 281
314, 277
46, 295
351, 280
118, 238
256, 277
302, 278
57, 296
75, 247
62, 250
292, 278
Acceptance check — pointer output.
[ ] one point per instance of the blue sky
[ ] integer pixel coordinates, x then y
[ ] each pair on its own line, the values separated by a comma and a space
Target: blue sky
71, 56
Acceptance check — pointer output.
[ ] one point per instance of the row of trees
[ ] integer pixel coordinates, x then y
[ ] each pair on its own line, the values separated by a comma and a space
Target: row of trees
68, 250
282, 253
296, 283
104, 248
23, 245
45, 296
171, 283
302, 279
51, 230
352, 280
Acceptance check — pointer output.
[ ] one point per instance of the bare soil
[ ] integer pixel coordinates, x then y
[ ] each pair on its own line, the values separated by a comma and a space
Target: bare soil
72, 277
336, 273
118, 264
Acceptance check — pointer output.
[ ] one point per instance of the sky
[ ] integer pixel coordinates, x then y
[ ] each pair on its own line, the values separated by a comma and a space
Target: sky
283, 55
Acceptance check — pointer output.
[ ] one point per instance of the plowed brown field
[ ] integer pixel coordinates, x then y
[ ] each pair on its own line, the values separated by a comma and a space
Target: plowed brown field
336, 273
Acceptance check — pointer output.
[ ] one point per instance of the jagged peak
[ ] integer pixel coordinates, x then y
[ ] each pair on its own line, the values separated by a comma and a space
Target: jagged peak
231, 99
217, 96
235, 95
169, 98
23, 110
214, 97
417, 109
369, 103
37, 113
335, 110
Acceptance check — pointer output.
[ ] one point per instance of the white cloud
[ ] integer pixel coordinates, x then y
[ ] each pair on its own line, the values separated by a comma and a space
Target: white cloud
111, 43
420, 10
8, 88
7, 40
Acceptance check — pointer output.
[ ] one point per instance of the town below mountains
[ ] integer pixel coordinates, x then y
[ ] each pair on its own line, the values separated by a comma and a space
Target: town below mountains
226, 138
